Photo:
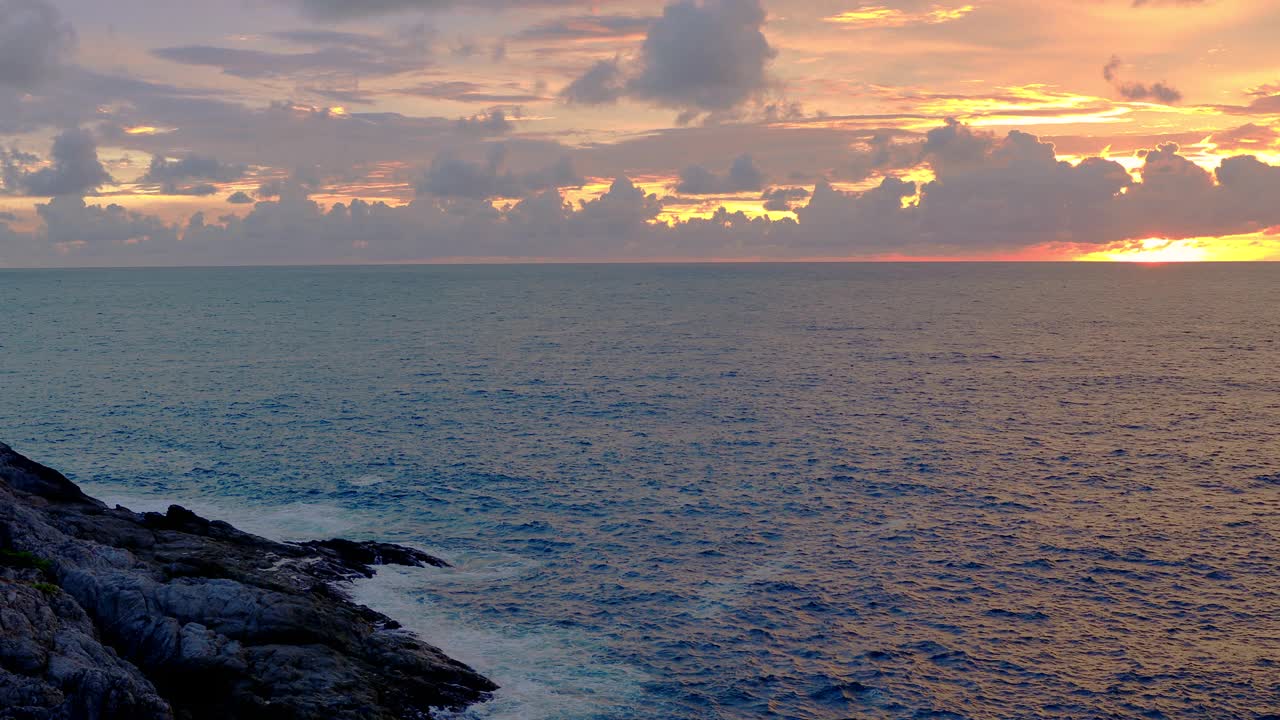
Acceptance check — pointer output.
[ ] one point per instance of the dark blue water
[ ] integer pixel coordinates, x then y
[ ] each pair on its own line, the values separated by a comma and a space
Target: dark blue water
800, 491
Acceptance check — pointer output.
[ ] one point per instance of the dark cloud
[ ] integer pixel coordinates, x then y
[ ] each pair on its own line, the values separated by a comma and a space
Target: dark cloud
853, 150
350, 95
593, 27
284, 134
34, 43
1017, 193
708, 55
74, 168
196, 189
70, 225
1262, 105
463, 91
452, 177
493, 122
352, 9
955, 145
335, 38
1014, 193
623, 209
1111, 70
190, 174
1158, 92
781, 198
990, 194
601, 84
172, 173
699, 56
262, 64
334, 53
301, 183
538, 225
882, 151
743, 176
1246, 137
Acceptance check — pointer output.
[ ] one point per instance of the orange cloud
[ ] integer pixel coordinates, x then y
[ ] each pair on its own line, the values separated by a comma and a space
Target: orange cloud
879, 16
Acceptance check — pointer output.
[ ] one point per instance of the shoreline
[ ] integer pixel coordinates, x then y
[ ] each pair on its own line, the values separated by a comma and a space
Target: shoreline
115, 614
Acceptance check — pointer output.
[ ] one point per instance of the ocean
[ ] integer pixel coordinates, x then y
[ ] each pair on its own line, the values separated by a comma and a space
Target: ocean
810, 491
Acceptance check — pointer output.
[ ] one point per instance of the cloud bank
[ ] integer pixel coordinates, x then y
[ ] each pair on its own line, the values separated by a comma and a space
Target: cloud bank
1003, 193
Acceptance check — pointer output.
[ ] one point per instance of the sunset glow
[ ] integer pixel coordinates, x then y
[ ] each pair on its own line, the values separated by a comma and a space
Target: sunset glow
631, 130
882, 16
1247, 248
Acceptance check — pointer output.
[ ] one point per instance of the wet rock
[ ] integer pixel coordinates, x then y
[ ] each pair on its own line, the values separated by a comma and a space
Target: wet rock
368, 554
108, 613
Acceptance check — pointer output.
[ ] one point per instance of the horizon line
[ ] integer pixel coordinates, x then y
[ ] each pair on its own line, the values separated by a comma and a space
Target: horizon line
509, 262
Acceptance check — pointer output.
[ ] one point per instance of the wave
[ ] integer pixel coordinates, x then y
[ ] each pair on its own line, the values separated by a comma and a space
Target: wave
544, 673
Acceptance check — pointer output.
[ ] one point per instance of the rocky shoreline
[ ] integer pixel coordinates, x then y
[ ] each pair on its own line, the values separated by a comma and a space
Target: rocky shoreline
108, 613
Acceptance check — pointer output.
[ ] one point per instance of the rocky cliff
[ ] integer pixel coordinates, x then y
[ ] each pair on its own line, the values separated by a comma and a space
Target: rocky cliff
107, 613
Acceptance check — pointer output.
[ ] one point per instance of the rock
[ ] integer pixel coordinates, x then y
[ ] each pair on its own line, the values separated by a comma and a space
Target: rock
107, 613
367, 554
53, 666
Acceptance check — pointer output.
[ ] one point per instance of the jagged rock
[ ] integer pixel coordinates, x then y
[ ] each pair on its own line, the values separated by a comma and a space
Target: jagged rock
108, 613
365, 555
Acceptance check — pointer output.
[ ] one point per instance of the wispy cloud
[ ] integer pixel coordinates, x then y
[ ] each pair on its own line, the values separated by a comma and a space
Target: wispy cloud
880, 16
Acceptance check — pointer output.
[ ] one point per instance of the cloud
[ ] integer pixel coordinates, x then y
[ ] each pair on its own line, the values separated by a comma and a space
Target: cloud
486, 124
1159, 91
601, 84
74, 168
1111, 71
71, 225
1013, 193
878, 16
991, 194
34, 43
1262, 105
282, 134
172, 174
587, 27
624, 207
743, 176
710, 55
452, 177
334, 53
353, 9
463, 91
955, 146
780, 199
699, 56
884, 150
1246, 137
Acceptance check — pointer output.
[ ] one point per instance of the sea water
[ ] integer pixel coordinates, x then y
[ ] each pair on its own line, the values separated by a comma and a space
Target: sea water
721, 491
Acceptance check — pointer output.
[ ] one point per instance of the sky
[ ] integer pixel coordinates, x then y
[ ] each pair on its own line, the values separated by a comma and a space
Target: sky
244, 132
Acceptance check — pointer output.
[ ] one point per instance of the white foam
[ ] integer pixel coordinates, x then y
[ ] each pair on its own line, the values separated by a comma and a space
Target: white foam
292, 521
544, 673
